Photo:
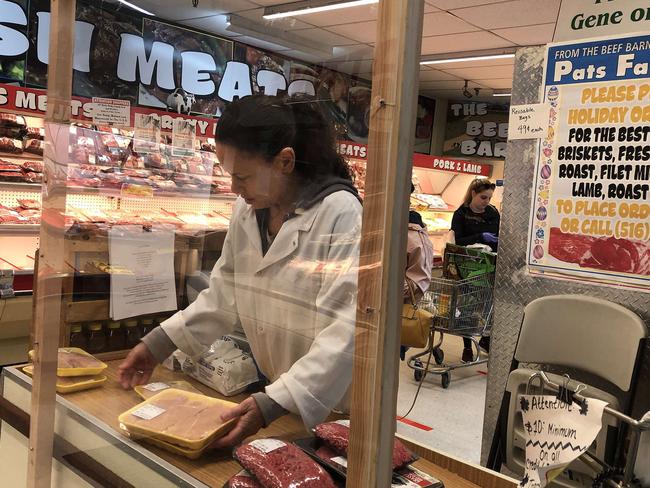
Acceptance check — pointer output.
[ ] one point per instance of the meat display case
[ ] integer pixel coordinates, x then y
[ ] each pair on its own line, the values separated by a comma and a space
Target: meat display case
108, 184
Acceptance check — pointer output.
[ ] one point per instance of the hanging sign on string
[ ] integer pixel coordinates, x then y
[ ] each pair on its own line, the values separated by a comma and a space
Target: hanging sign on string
556, 433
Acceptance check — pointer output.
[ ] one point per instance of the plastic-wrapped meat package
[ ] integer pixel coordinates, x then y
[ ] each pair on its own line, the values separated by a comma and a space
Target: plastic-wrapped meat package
36, 133
278, 464
80, 155
33, 166
11, 120
10, 145
337, 436
243, 480
34, 146
28, 204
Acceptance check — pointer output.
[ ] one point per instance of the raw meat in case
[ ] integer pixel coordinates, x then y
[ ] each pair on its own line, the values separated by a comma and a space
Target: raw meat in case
277, 464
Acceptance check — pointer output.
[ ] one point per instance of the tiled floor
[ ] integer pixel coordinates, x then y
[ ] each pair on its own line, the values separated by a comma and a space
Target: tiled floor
455, 414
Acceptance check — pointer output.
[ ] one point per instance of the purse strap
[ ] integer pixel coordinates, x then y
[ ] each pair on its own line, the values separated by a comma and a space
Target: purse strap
412, 293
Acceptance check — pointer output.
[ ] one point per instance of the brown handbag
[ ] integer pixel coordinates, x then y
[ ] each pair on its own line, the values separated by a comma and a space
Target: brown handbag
416, 322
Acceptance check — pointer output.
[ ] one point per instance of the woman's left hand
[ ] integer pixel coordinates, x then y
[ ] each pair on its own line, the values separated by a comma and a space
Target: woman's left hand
250, 420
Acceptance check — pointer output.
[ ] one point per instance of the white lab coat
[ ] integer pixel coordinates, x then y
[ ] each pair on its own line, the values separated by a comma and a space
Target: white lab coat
296, 304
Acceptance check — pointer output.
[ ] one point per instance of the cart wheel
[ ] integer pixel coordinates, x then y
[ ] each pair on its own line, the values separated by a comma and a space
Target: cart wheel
417, 374
438, 355
445, 379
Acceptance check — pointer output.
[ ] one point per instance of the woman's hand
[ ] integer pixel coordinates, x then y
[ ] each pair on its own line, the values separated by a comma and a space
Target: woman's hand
250, 420
136, 369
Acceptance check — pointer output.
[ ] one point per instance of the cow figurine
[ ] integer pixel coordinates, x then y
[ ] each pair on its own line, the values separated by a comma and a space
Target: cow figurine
180, 101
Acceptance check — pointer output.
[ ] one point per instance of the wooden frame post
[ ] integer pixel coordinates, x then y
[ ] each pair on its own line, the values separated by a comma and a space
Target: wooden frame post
50, 272
383, 243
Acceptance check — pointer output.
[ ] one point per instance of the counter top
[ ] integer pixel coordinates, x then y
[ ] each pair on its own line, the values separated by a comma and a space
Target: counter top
216, 467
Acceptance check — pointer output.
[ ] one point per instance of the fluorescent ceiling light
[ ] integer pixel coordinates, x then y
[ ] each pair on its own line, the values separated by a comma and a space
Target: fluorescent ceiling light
135, 7
246, 27
501, 94
305, 7
468, 59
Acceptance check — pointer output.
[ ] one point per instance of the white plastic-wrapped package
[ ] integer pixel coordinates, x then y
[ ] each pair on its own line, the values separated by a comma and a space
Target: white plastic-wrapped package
223, 367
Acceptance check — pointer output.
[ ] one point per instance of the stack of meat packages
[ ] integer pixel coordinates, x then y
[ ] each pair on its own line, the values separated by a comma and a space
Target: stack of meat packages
107, 160
16, 138
27, 212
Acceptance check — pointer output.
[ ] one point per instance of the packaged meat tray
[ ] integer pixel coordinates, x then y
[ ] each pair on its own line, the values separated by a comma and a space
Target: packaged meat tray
73, 361
243, 479
178, 417
151, 389
337, 435
406, 477
166, 446
279, 464
70, 384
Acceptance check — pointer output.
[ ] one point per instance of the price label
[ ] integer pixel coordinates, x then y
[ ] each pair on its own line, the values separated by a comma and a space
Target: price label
156, 386
148, 412
267, 445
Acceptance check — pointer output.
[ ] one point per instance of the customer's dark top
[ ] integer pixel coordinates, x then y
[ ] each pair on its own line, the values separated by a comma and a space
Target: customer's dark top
468, 225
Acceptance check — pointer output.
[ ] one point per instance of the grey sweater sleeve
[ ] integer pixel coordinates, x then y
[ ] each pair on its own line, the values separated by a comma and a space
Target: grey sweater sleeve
159, 344
270, 409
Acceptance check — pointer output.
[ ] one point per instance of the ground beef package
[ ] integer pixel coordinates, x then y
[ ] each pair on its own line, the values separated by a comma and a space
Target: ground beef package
278, 464
337, 434
242, 480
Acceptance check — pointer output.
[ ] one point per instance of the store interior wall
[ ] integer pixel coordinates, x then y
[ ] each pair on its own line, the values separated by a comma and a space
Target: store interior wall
439, 127
515, 287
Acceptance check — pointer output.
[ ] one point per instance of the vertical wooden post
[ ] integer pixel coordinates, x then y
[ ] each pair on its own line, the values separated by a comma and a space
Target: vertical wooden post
383, 245
51, 269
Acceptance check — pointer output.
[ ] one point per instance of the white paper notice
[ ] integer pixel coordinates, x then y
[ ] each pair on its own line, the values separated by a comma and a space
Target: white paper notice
110, 111
146, 138
556, 433
528, 121
183, 137
149, 286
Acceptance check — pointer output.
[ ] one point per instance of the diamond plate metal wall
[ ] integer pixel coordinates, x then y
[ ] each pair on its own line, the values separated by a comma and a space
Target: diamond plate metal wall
514, 286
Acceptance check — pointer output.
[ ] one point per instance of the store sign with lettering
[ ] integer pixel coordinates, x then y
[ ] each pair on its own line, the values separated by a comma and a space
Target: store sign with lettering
451, 165
143, 61
122, 55
590, 217
476, 129
580, 19
33, 102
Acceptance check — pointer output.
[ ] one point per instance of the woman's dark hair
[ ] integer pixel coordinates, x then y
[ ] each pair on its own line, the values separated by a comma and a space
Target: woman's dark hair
478, 185
265, 125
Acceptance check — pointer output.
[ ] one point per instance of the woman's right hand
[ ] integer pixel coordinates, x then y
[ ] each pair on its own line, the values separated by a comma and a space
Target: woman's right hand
137, 368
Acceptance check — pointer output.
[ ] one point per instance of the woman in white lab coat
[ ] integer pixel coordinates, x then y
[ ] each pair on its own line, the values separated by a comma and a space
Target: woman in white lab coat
288, 269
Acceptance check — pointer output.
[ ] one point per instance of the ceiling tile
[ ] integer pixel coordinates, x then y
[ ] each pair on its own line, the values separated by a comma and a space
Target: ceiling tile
470, 41
326, 37
347, 15
428, 7
169, 9
483, 72
269, 46
445, 85
510, 14
452, 4
528, 36
351, 67
352, 53
362, 31
441, 23
215, 24
435, 75
289, 23
496, 83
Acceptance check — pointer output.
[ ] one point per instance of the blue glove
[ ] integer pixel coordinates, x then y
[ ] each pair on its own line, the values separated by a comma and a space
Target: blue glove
489, 238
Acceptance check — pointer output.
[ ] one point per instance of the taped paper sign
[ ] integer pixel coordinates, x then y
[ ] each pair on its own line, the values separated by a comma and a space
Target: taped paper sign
556, 433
